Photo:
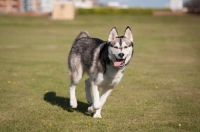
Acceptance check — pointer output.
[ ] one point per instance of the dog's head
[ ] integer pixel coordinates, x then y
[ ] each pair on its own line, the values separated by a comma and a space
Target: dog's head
120, 48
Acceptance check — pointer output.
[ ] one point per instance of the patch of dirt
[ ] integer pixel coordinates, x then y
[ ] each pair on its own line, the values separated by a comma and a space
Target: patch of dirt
165, 13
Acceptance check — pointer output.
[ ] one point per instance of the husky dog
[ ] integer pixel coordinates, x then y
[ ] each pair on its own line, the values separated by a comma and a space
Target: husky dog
104, 61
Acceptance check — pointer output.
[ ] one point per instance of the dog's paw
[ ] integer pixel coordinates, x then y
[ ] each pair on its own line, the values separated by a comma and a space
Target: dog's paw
97, 115
91, 109
73, 104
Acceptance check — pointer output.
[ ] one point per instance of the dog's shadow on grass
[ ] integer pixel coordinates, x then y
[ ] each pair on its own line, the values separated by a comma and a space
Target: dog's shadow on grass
63, 102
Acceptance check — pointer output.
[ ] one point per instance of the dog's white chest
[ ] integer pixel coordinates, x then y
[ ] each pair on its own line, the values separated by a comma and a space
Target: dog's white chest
111, 78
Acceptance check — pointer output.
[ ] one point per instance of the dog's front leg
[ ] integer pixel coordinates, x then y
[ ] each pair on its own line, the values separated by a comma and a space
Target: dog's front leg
96, 100
104, 95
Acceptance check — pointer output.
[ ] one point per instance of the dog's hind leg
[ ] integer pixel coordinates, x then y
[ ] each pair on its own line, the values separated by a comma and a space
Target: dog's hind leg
88, 91
73, 101
75, 76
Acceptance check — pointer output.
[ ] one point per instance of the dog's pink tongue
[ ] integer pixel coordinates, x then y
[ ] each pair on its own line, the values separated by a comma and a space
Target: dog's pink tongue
118, 63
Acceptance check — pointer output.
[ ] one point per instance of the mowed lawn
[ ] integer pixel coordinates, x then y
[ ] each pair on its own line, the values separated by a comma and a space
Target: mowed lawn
160, 90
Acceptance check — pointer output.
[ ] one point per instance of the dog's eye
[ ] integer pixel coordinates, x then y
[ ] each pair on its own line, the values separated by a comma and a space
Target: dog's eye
115, 47
125, 47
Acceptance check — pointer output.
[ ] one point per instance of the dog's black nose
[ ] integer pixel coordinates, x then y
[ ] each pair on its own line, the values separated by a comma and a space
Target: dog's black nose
121, 55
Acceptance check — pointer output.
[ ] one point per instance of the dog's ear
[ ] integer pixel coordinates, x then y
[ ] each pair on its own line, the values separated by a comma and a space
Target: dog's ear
128, 34
113, 34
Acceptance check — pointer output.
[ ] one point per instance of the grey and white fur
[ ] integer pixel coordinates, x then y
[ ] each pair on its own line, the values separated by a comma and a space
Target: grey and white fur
104, 61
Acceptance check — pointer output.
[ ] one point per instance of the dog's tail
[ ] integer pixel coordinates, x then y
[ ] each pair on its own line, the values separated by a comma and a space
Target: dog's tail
82, 34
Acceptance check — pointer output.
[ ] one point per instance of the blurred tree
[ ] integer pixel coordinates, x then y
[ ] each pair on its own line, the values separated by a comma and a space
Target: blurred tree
193, 6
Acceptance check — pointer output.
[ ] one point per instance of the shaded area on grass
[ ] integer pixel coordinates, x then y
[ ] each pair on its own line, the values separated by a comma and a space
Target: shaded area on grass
62, 102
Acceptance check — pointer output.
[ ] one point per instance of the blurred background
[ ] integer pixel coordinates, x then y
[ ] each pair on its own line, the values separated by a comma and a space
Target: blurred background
66, 9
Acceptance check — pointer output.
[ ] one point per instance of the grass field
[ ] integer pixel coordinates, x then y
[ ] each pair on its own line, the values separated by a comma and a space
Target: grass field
160, 90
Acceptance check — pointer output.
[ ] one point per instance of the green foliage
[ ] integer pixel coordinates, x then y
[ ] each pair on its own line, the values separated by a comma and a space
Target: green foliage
114, 11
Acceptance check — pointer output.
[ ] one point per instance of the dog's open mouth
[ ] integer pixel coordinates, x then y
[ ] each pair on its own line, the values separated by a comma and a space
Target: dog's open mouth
119, 62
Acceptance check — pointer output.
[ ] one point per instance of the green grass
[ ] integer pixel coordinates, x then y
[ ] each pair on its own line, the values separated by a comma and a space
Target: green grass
160, 90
